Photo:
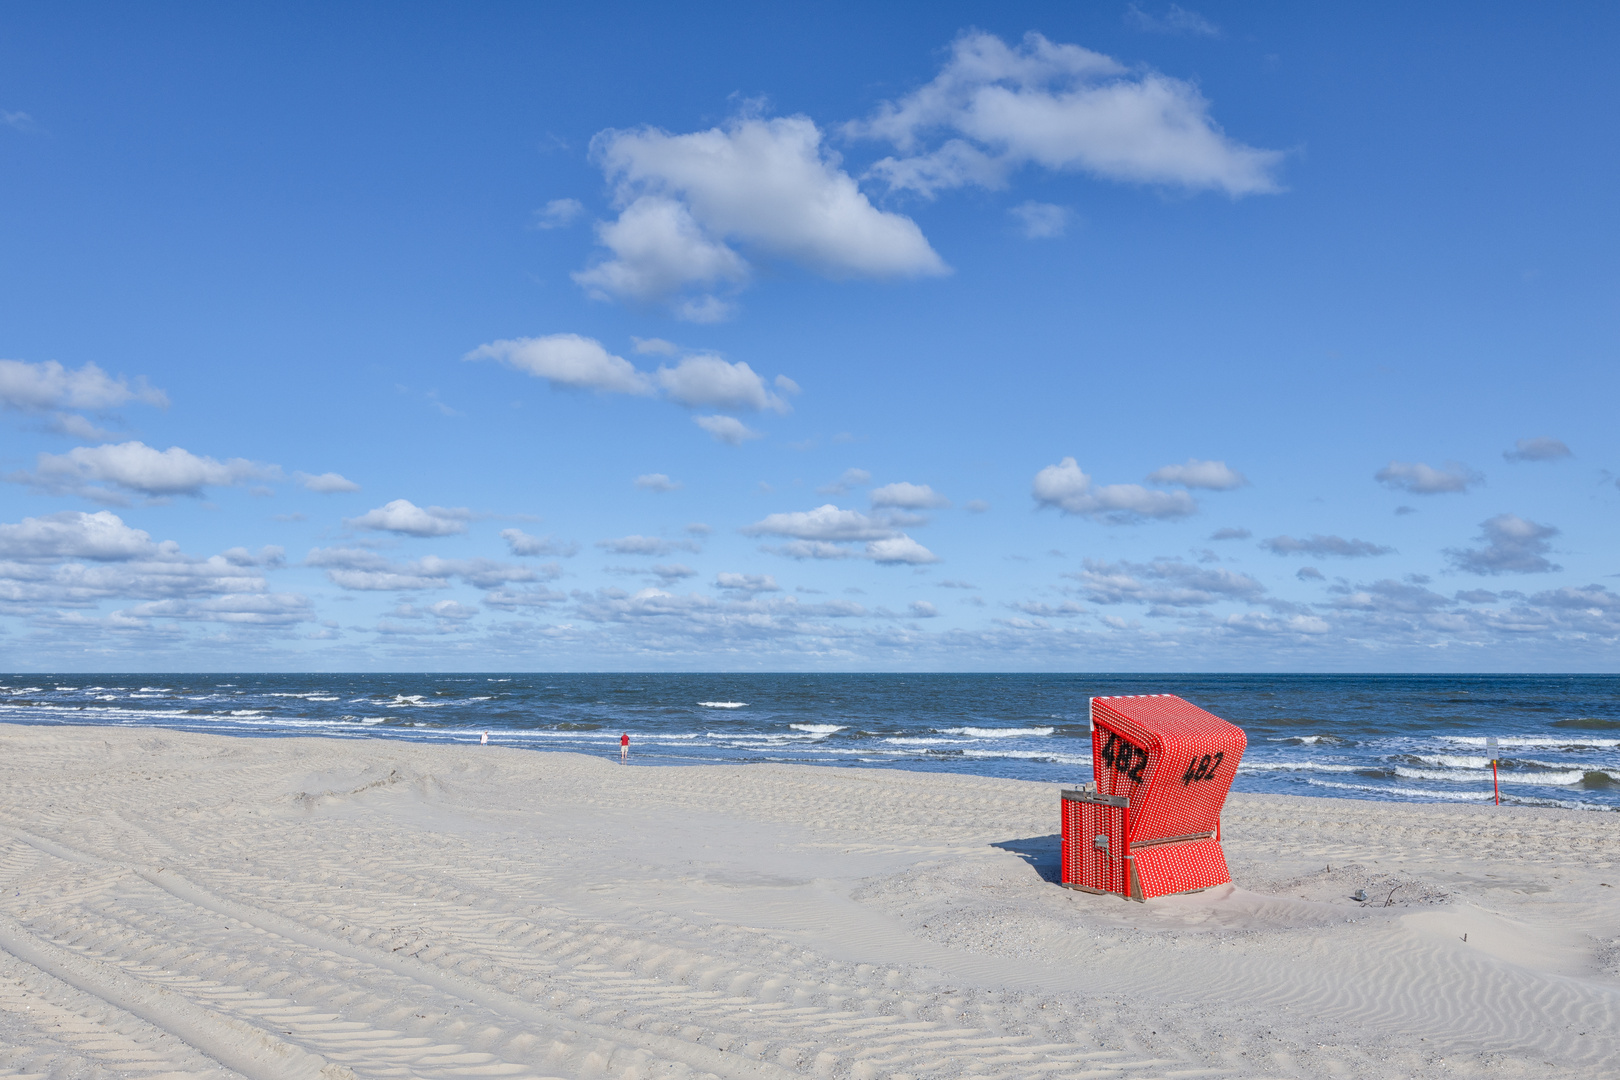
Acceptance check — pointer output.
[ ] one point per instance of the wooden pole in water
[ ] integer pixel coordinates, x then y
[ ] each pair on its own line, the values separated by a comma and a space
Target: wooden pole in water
1494, 786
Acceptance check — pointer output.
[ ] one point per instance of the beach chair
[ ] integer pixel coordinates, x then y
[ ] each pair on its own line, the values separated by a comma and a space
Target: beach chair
1150, 824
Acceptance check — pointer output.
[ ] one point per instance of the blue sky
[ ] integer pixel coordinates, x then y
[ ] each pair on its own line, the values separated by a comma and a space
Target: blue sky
936, 337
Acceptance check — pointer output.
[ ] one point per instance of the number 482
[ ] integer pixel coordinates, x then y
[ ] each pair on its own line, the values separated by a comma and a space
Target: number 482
1203, 768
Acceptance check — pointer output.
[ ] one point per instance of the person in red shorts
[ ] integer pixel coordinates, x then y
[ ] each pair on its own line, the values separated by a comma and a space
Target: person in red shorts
624, 748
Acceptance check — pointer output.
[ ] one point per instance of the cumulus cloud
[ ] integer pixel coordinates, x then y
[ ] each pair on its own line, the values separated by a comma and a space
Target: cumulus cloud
326, 483
1213, 475
766, 185
747, 583
407, 519
707, 380
78, 560
1041, 221
1512, 545
1176, 20
701, 379
922, 609
907, 496
826, 522
46, 386
568, 360
1421, 479
1537, 449
557, 213
71, 534
900, 549
1070, 490
727, 429
519, 542
101, 472
850, 478
822, 532
1324, 545
995, 108
656, 481
646, 545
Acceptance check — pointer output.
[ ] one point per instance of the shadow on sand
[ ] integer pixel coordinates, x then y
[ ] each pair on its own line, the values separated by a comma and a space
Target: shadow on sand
1044, 853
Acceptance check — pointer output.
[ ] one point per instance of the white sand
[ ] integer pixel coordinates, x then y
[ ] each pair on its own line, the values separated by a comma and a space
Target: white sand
191, 905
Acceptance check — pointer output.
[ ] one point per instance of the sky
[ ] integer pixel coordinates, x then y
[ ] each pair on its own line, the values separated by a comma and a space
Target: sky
832, 337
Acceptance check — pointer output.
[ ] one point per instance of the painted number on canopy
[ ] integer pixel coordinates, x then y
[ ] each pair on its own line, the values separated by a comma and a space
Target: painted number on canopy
1202, 768
1125, 759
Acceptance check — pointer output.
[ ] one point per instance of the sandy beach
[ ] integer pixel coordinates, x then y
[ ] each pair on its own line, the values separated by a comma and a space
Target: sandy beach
178, 905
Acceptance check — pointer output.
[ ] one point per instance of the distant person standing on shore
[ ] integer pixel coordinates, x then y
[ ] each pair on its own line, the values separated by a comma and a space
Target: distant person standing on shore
624, 749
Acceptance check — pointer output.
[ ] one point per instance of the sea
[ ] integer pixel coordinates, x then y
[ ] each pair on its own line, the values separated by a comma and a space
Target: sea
1408, 738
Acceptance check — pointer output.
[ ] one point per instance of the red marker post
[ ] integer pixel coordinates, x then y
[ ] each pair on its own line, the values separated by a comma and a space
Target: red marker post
1490, 748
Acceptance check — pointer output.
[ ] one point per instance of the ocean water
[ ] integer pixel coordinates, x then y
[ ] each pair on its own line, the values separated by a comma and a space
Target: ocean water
1399, 737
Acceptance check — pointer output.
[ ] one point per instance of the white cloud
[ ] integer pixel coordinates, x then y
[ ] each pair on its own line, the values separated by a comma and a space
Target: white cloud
908, 496
666, 573
244, 609
707, 380
976, 506
101, 537
519, 542
1230, 533
46, 386
658, 250
1041, 221
366, 571
656, 481
1177, 20
819, 533
826, 522
136, 467
727, 429
850, 478
557, 213
1421, 479
656, 346
407, 519
646, 545
1324, 545
326, 483
568, 360
1214, 475
899, 549
765, 184
786, 385
1061, 107
1165, 583
78, 560
1537, 449
1069, 489
747, 583
922, 609
1513, 545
